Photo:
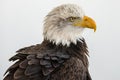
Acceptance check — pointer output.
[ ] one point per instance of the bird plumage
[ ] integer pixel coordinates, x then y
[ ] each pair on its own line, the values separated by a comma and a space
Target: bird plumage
46, 61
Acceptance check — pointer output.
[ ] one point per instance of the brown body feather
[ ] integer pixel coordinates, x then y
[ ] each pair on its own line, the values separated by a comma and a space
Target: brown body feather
48, 61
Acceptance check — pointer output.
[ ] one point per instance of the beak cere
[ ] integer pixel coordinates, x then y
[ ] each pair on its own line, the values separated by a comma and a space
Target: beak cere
86, 22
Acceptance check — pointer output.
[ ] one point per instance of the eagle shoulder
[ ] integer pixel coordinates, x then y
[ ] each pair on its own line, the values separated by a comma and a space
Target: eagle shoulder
34, 62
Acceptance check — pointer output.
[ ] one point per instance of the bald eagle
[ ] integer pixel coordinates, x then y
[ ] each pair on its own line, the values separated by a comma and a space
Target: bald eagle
63, 53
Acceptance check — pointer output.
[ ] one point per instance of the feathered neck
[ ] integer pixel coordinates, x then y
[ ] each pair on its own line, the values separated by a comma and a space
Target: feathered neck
64, 36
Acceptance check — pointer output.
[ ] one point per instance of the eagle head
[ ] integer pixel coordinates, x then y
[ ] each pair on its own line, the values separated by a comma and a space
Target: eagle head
65, 24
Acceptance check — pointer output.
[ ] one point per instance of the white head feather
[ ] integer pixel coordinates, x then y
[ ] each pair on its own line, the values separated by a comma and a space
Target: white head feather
57, 30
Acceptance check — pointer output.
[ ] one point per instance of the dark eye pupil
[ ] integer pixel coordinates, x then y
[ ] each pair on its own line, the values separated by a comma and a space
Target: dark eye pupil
72, 18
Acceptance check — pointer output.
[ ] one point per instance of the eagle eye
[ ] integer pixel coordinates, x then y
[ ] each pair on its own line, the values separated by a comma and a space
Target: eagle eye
71, 19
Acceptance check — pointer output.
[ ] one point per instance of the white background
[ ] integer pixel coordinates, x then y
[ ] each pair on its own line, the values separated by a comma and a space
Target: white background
21, 25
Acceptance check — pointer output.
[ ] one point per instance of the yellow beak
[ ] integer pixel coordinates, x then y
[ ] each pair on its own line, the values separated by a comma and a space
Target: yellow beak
86, 22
